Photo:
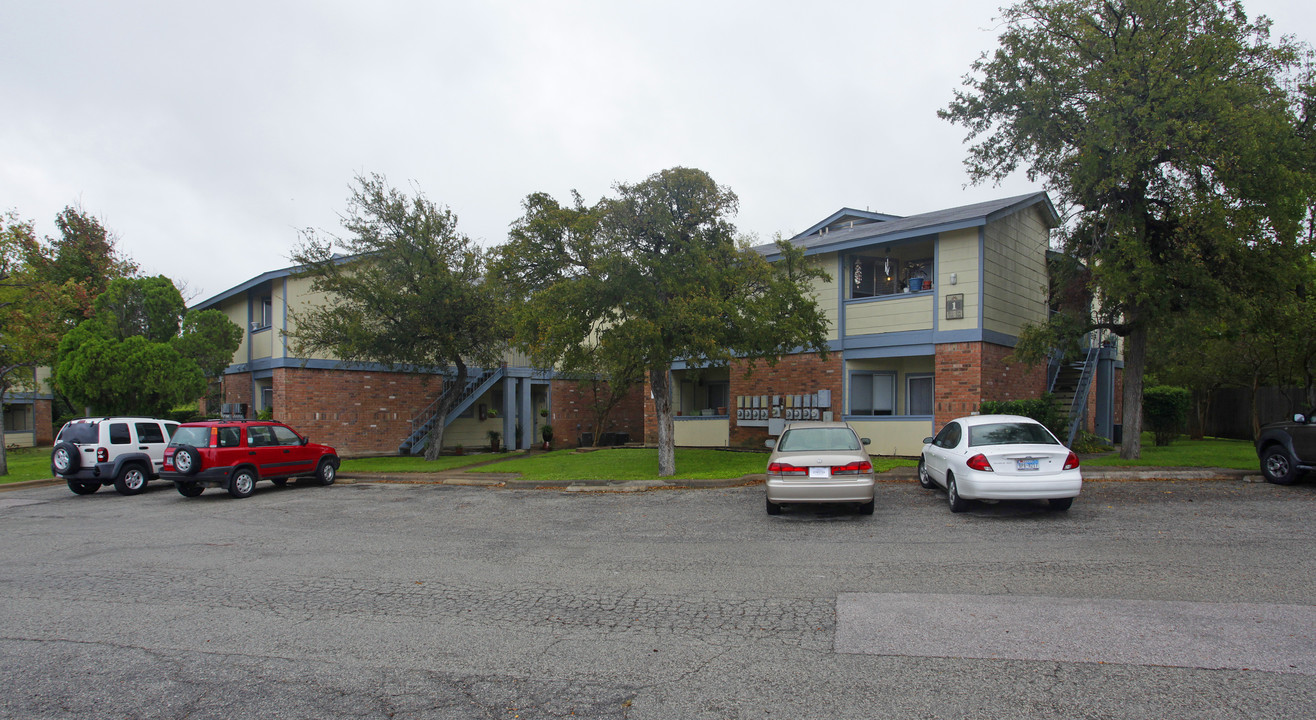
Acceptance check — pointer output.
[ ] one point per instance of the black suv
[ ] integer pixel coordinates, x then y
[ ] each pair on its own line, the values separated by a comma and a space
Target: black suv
1288, 449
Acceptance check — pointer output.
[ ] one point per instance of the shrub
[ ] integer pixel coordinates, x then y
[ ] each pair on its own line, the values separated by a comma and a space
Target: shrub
1165, 410
1044, 410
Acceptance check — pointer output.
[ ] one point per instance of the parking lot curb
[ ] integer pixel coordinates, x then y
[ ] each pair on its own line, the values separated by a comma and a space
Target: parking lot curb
29, 484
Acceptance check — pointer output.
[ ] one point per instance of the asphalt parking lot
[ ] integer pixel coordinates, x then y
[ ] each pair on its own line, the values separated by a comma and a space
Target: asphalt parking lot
1185, 599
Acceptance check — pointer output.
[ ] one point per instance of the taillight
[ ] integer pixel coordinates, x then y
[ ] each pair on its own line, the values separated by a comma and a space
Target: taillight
778, 468
854, 468
979, 462
1071, 462
102, 455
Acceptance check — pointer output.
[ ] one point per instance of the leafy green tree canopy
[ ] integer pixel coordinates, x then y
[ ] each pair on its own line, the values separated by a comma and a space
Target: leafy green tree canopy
651, 276
1174, 130
409, 294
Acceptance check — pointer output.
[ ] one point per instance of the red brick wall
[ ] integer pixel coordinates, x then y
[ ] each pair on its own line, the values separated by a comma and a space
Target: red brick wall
237, 389
792, 375
43, 417
971, 372
571, 415
353, 410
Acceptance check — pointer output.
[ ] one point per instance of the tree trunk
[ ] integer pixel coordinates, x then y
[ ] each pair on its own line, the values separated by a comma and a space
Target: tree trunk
446, 401
4, 453
1135, 363
1256, 416
660, 381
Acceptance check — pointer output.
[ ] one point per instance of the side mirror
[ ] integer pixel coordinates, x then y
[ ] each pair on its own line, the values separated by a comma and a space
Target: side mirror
770, 443
865, 440
927, 441
1300, 418
305, 440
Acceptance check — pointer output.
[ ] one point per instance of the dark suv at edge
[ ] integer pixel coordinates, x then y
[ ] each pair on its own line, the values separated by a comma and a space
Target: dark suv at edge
1288, 449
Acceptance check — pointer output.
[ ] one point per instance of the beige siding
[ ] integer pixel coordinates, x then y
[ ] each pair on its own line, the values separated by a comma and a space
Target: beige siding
894, 437
1014, 272
957, 254
301, 299
827, 293
714, 432
236, 310
889, 315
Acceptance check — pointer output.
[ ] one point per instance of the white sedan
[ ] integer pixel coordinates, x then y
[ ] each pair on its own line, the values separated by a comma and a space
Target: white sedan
999, 457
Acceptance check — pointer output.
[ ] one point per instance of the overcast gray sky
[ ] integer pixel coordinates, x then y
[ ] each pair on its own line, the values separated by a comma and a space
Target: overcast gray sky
207, 134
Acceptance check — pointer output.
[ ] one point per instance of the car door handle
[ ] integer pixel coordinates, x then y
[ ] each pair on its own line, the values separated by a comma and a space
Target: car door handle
251, 452
143, 447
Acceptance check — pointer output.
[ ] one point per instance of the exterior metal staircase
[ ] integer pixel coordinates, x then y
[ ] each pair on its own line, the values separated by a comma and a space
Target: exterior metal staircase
423, 422
1070, 383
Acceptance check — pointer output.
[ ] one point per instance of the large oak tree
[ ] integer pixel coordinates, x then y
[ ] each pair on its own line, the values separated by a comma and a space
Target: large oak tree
1175, 131
654, 275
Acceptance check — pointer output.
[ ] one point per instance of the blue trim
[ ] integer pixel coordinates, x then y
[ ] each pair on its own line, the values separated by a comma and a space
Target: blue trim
887, 418
865, 214
842, 287
891, 339
900, 351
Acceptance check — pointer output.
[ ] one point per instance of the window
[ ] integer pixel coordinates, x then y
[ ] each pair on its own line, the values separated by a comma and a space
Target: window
889, 270
873, 276
267, 398
149, 433
1010, 434
119, 434
949, 436
718, 395
265, 317
872, 393
260, 436
285, 436
918, 395
19, 418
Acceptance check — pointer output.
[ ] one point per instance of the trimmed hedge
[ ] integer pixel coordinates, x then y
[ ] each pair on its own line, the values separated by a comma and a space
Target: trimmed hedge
1165, 411
1044, 410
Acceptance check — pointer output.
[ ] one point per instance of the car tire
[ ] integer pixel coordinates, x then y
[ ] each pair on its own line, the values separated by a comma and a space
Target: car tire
64, 458
279, 482
187, 460
131, 479
1277, 466
773, 508
1060, 504
867, 508
187, 489
957, 503
924, 478
327, 472
243, 483
84, 488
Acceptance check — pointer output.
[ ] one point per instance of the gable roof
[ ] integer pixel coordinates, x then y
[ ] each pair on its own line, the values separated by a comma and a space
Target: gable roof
826, 237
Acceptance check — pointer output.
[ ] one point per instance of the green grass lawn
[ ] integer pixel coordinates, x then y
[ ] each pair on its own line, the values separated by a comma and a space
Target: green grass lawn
642, 464
399, 464
1209, 452
28, 464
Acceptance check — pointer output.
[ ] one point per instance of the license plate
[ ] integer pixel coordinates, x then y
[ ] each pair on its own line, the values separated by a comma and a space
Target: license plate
1026, 464
820, 472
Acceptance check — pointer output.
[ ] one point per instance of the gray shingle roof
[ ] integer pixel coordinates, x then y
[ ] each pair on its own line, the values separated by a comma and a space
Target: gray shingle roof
936, 221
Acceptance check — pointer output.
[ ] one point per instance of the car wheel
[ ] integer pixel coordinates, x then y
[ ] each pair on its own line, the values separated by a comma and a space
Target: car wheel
1060, 504
1277, 466
773, 508
242, 484
83, 488
64, 458
187, 489
327, 472
924, 478
279, 482
187, 460
957, 503
867, 508
130, 480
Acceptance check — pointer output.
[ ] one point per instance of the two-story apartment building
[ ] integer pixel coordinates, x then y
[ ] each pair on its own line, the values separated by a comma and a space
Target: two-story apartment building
924, 312
372, 409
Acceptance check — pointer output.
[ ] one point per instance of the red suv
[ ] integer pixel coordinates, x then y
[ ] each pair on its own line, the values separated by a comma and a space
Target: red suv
235, 454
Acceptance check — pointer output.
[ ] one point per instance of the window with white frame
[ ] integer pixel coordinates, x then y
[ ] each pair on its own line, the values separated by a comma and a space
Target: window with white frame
266, 312
872, 393
918, 394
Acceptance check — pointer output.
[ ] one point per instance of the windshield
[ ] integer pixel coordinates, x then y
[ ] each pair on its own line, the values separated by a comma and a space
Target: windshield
818, 440
1013, 433
82, 433
194, 436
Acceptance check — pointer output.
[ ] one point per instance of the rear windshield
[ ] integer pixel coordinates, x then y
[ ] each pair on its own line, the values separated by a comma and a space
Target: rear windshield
1015, 433
818, 440
83, 433
194, 436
